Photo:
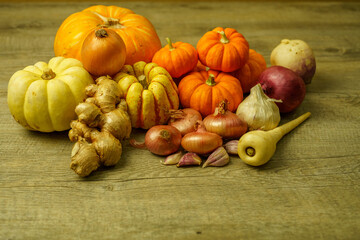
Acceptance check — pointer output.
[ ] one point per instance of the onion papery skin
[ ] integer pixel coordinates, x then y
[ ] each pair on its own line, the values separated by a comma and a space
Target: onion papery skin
201, 141
163, 140
184, 120
283, 84
103, 52
225, 123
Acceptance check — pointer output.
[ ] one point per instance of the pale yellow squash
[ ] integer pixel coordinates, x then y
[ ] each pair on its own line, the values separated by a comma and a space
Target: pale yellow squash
43, 97
150, 93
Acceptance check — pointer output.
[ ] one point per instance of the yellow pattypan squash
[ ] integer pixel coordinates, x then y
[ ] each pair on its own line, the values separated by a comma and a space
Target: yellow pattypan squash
150, 93
43, 97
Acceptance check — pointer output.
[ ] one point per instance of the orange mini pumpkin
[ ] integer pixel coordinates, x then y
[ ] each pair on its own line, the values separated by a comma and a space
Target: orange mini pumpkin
249, 74
223, 49
204, 90
178, 58
138, 34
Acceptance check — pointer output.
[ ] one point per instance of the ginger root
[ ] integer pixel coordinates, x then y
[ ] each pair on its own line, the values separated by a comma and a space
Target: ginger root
102, 123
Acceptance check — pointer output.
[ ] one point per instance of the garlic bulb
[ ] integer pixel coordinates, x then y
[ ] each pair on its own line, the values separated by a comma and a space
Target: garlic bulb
258, 110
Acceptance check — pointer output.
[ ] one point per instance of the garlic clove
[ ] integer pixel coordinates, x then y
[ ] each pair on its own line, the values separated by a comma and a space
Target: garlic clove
218, 158
231, 147
189, 159
173, 158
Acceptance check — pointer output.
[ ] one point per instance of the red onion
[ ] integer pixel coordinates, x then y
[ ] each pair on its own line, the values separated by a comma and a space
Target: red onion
161, 140
184, 119
283, 84
225, 123
201, 141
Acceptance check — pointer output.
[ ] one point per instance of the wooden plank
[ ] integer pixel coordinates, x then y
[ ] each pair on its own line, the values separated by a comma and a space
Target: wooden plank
309, 190
161, 1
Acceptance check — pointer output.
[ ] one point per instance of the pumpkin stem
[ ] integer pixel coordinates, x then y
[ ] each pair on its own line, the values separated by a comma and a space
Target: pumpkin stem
170, 44
108, 21
223, 39
211, 80
48, 74
101, 33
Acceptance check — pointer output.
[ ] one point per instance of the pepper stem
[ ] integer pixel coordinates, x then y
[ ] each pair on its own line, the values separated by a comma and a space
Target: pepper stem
48, 74
170, 44
223, 39
211, 80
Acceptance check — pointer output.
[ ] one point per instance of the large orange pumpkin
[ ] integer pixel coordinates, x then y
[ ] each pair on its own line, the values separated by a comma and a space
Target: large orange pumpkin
138, 34
223, 49
204, 90
249, 74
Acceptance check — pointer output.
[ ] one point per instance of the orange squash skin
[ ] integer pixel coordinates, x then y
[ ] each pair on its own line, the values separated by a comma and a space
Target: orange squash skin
249, 74
223, 53
196, 93
177, 58
138, 34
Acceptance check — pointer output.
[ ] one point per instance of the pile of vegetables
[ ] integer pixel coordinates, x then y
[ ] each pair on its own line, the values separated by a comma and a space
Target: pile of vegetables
110, 74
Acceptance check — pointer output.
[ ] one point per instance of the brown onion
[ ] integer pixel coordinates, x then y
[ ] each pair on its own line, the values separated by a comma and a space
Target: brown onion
201, 141
184, 119
225, 123
103, 52
161, 140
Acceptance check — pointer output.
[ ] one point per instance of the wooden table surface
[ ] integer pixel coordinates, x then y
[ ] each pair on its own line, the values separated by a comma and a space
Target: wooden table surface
309, 190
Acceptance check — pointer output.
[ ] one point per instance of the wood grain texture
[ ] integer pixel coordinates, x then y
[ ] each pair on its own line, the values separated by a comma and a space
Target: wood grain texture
160, 1
309, 190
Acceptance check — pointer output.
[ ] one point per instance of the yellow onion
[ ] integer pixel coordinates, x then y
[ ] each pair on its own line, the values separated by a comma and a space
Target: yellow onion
103, 52
201, 141
225, 123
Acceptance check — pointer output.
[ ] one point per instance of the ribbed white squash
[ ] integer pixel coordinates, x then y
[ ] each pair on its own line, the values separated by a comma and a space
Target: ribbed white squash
43, 97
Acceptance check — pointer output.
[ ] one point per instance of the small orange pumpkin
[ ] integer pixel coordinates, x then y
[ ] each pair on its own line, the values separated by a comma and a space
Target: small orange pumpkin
223, 49
137, 32
249, 74
204, 90
178, 58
